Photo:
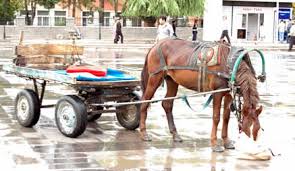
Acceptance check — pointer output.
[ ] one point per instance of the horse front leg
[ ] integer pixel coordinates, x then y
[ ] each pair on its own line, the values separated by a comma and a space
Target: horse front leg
217, 98
228, 144
172, 88
152, 85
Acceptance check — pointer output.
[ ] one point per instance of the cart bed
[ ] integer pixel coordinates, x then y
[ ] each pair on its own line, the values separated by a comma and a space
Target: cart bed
53, 76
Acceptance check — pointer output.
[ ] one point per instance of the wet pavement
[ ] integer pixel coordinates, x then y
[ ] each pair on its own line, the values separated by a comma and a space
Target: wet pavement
105, 145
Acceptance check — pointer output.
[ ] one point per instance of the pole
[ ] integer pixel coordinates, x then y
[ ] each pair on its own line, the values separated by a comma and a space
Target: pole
277, 21
5, 19
99, 31
4, 31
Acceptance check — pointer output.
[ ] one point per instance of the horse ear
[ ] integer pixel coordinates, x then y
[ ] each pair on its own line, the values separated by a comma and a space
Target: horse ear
258, 111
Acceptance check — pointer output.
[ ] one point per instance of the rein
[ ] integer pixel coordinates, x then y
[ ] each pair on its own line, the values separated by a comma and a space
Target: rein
236, 106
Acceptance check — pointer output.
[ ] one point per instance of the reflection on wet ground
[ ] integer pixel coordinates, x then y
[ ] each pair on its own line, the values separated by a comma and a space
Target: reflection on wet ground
106, 145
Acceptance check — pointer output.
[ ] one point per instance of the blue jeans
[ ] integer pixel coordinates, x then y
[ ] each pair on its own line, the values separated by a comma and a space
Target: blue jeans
281, 36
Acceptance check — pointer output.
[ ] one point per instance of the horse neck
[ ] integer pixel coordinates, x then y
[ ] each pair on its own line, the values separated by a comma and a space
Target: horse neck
248, 85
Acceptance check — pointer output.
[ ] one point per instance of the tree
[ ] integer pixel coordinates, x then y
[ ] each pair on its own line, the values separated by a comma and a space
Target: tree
293, 5
149, 9
8, 9
101, 12
155, 8
74, 4
114, 3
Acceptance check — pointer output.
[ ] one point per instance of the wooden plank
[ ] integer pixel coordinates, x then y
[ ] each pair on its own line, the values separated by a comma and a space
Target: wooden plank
40, 59
52, 66
48, 49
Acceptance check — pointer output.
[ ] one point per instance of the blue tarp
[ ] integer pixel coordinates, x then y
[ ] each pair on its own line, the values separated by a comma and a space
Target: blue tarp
112, 75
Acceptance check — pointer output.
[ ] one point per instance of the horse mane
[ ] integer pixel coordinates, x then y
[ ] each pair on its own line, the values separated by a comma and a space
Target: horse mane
248, 84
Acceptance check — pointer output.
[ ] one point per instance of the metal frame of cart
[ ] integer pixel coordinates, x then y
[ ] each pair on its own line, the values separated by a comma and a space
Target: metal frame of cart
72, 112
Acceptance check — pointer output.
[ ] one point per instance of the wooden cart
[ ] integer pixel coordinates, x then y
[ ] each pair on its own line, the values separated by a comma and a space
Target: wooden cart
72, 112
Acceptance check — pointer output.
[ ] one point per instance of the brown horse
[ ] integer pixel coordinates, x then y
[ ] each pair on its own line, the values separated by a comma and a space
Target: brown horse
169, 60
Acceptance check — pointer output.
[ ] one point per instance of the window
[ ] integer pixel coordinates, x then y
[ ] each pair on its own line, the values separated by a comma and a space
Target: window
43, 18
136, 22
107, 18
244, 20
241, 34
87, 18
60, 18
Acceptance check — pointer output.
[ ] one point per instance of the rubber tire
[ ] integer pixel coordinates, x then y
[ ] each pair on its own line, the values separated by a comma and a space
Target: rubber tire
81, 115
133, 124
34, 107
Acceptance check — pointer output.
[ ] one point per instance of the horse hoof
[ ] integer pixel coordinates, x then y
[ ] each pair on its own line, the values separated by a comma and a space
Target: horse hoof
177, 138
218, 149
229, 145
146, 137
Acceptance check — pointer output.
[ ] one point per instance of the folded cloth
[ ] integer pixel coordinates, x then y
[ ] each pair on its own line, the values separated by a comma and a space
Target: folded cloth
112, 75
94, 70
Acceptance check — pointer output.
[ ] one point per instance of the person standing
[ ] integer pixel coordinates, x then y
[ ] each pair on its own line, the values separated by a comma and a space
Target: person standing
282, 28
119, 34
292, 36
289, 25
174, 27
165, 30
195, 30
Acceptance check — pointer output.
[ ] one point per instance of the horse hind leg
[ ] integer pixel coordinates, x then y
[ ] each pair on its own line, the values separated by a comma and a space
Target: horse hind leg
153, 83
172, 88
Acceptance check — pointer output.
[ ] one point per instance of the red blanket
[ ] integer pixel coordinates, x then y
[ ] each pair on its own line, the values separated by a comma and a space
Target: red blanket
94, 70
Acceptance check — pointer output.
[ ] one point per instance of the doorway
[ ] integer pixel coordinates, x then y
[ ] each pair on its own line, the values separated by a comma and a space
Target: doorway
252, 30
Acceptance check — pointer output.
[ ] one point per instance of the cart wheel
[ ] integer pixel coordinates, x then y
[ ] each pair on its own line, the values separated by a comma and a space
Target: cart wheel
27, 108
128, 116
71, 116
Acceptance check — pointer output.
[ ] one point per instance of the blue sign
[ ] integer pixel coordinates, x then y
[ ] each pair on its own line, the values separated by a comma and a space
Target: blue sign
284, 13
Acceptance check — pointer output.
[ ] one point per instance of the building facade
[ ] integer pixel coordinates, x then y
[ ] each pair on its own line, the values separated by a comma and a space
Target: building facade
248, 20
83, 17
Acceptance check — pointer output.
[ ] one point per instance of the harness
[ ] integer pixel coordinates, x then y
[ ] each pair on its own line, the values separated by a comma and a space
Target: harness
202, 68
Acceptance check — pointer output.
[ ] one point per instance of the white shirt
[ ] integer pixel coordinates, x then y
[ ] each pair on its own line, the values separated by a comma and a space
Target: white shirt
164, 31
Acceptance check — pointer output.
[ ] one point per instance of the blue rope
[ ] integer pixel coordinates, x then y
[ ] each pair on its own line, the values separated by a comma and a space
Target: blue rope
184, 98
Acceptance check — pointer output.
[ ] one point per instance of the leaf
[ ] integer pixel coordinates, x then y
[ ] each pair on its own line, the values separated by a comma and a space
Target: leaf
145, 8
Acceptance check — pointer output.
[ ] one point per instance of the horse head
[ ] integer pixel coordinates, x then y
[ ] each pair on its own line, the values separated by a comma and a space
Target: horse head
250, 120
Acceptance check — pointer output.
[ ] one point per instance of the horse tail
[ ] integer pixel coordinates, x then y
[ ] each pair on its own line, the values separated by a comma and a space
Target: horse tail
145, 74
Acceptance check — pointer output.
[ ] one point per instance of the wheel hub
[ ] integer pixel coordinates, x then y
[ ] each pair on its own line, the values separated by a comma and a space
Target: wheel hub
22, 108
66, 117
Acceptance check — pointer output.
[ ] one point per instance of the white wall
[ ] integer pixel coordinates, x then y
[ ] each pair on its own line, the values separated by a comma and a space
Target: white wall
262, 0
212, 20
268, 20
227, 12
